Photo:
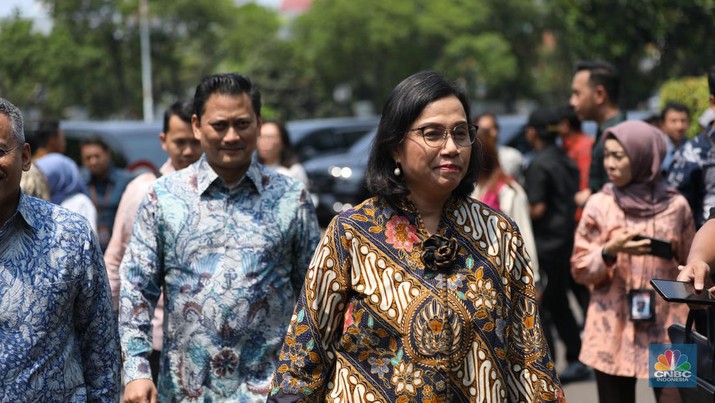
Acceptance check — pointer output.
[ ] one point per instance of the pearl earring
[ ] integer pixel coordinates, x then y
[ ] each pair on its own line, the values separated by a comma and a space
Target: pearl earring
397, 171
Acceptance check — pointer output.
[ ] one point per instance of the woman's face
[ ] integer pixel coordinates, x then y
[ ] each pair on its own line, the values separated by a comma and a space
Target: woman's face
431, 172
617, 163
269, 143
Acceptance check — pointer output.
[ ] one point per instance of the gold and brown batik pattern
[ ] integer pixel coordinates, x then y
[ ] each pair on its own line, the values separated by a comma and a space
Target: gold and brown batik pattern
373, 325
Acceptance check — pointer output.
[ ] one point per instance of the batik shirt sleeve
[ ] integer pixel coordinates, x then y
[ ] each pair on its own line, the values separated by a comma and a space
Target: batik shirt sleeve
686, 173
306, 359
140, 290
97, 333
306, 234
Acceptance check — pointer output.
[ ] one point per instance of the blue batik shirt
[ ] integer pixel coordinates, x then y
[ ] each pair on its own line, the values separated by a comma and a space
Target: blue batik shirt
58, 332
693, 174
231, 263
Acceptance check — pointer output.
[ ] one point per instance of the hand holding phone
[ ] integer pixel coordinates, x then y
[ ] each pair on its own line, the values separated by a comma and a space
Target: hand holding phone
658, 247
681, 291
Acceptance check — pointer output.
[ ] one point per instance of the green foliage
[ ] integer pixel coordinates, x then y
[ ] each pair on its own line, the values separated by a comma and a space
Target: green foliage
498, 50
690, 91
649, 41
21, 51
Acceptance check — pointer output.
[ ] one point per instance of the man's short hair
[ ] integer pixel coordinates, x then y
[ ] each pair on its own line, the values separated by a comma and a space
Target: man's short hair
225, 84
181, 109
14, 115
46, 129
711, 80
95, 140
604, 74
545, 122
567, 112
674, 106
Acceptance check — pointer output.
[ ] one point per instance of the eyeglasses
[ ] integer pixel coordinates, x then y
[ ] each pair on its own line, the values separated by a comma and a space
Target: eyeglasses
435, 136
4, 152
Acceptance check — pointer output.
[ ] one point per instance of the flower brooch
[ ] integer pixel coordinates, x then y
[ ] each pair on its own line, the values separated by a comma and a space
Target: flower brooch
440, 253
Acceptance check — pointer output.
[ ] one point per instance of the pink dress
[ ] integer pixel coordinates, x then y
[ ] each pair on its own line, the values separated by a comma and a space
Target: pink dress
612, 343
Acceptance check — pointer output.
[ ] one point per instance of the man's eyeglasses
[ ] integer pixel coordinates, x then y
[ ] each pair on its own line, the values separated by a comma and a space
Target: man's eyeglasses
435, 136
4, 152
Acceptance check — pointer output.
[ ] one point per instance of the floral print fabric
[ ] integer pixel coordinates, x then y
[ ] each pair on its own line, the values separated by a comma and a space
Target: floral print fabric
230, 263
58, 332
372, 324
612, 343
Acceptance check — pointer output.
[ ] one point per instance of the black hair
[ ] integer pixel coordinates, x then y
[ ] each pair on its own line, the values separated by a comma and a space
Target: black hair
46, 129
674, 106
181, 109
407, 101
545, 123
604, 74
567, 112
95, 140
711, 80
225, 84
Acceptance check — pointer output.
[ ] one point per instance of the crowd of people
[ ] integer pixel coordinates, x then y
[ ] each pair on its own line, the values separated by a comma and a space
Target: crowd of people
212, 281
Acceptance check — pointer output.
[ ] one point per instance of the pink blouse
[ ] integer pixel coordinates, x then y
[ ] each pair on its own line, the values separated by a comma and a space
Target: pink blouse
612, 343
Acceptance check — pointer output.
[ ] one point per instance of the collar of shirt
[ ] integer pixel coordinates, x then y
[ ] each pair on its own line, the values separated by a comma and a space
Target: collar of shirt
24, 211
206, 176
167, 168
621, 117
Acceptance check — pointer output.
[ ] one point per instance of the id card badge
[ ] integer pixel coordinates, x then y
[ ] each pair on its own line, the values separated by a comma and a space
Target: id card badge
641, 304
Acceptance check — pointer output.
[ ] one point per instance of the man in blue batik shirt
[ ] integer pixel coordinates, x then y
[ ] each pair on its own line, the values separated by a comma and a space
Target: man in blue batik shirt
693, 169
229, 242
58, 332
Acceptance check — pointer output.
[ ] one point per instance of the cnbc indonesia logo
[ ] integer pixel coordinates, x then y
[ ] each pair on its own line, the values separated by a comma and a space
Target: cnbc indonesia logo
672, 366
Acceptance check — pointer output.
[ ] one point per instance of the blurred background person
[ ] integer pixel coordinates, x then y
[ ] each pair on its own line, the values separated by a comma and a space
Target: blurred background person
498, 190
578, 146
105, 182
66, 186
408, 290
551, 183
183, 149
510, 159
693, 168
674, 122
48, 138
618, 268
34, 183
275, 151
595, 92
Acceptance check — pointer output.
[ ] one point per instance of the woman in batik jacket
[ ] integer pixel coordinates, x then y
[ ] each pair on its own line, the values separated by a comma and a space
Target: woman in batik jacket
419, 293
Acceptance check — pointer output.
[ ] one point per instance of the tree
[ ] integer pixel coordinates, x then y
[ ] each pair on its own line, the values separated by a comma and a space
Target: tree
372, 45
648, 41
20, 64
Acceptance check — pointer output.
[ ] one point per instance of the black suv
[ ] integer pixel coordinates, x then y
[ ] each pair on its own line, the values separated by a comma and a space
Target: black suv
314, 137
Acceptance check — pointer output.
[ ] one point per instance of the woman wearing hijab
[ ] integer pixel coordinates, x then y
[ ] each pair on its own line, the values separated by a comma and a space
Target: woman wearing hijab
66, 186
614, 258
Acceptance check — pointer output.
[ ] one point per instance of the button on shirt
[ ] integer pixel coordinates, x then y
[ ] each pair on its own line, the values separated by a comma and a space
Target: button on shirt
58, 332
231, 262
